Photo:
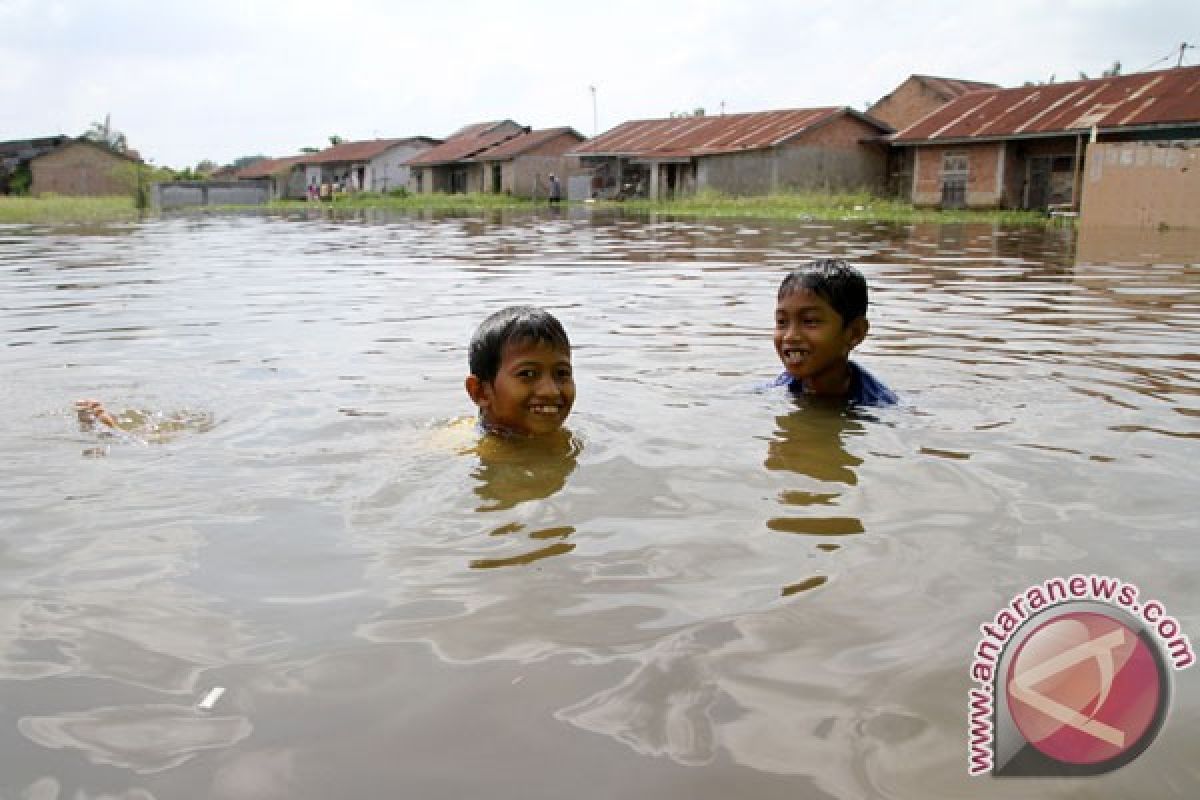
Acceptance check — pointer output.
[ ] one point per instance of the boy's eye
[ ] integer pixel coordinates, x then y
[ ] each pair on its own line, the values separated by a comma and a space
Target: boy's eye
564, 372
527, 372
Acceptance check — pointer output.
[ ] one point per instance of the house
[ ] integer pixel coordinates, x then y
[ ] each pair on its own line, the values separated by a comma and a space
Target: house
283, 176
1025, 147
738, 154
448, 166
919, 95
522, 165
82, 167
15, 156
67, 166
916, 97
374, 165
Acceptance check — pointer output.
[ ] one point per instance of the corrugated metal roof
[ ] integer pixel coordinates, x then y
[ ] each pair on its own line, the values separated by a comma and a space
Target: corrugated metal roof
682, 137
468, 142
524, 143
360, 151
268, 167
1146, 98
950, 88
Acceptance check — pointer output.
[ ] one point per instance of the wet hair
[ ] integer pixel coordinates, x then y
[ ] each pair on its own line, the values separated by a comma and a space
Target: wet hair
834, 281
512, 324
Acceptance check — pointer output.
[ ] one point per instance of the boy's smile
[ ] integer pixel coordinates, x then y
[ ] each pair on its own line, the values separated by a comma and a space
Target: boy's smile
813, 342
533, 391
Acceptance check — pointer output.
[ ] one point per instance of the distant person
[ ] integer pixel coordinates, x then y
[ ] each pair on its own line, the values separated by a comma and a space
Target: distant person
820, 317
521, 377
555, 189
313, 191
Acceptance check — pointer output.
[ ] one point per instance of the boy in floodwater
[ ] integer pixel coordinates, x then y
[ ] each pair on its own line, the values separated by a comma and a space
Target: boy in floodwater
521, 377
820, 316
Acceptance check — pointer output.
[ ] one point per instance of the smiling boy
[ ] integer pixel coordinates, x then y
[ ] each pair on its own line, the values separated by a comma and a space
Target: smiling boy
521, 377
820, 316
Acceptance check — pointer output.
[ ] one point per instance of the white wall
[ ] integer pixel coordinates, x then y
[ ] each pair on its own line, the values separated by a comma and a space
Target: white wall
384, 172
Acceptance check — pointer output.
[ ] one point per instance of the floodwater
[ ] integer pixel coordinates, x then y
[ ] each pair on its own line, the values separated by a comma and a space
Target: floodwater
710, 592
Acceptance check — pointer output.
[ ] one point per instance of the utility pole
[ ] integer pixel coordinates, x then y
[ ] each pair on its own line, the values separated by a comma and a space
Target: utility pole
1182, 46
595, 118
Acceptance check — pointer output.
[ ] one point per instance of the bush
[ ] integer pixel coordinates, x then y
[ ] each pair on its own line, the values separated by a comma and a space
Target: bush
400, 192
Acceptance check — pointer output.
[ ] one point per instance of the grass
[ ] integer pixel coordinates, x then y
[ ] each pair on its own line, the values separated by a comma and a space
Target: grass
822, 206
58, 209
437, 201
859, 206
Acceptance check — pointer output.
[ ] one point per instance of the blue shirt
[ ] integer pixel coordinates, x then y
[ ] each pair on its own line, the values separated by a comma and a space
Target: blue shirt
865, 388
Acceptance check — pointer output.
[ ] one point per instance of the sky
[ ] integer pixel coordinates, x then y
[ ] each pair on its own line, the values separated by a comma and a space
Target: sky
220, 79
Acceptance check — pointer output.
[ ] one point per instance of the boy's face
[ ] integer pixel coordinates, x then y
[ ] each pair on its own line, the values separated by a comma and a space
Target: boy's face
533, 391
812, 340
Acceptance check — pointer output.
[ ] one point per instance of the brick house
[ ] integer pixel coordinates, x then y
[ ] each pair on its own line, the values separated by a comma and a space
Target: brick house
15, 156
81, 167
738, 154
1025, 147
521, 166
450, 166
913, 99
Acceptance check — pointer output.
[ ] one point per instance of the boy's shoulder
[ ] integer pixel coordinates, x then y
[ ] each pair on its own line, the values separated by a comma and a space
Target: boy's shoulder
865, 388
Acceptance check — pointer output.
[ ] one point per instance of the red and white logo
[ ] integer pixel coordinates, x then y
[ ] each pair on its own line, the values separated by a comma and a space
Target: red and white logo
1084, 688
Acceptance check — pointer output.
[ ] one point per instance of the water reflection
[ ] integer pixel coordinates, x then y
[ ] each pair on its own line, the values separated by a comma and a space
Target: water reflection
811, 442
517, 469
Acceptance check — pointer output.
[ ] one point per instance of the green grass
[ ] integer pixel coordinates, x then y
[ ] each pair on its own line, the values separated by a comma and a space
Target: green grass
858, 206
56, 209
416, 202
821, 206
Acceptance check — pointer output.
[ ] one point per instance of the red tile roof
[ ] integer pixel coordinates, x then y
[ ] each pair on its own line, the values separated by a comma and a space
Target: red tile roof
1126, 101
524, 143
697, 136
268, 167
468, 142
361, 151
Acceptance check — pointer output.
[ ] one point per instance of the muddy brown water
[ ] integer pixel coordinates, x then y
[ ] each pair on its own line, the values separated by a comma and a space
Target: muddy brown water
712, 592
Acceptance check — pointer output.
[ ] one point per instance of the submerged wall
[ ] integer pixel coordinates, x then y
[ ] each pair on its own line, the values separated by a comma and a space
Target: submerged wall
188, 194
1143, 184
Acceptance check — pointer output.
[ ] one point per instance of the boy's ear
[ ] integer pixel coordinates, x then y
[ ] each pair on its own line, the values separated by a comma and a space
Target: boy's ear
476, 388
856, 331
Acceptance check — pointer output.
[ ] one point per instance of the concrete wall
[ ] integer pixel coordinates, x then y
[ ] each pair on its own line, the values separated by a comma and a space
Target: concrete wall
1147, 185
81, 169
186, 194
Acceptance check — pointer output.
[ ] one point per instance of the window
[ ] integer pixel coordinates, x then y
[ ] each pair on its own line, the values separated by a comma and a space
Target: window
955, 169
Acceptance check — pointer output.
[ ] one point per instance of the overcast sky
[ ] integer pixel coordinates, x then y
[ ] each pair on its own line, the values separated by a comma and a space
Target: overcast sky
220, 79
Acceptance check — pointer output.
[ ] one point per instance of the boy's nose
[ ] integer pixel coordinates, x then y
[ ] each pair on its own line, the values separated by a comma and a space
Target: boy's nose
547, 386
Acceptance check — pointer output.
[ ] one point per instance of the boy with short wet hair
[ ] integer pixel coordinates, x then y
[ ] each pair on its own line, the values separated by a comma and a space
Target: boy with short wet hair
820, 316
521, 377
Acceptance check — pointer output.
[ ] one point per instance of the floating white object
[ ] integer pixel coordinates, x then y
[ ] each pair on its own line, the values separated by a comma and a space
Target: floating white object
211, 698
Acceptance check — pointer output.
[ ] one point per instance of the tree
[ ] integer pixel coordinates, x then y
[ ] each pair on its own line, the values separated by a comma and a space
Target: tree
104, 133
1112, 71
245, 161
206, 167
335, 140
